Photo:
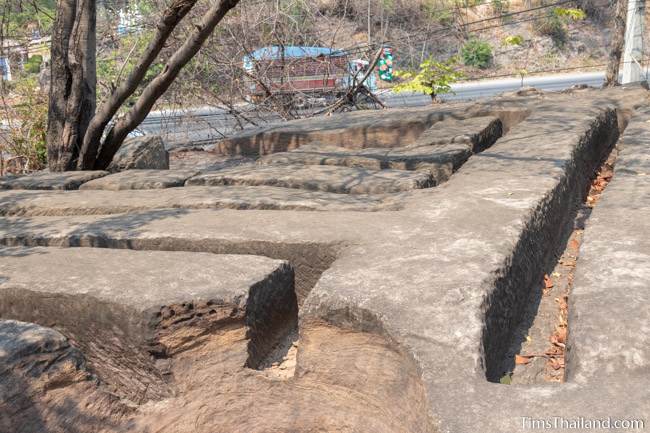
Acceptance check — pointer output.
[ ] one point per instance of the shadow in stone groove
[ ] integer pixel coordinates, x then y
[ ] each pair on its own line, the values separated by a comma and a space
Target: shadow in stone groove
545, 232
532, 309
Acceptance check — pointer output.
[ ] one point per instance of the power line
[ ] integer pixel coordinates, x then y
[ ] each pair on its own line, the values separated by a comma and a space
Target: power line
360, 48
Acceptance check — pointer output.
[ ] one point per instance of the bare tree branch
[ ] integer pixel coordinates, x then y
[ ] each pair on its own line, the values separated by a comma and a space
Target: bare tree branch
161, 83
176, 11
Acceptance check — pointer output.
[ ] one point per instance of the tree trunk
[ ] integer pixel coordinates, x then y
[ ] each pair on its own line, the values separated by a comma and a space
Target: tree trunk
161, 83
174, 13
617, 44
73, 82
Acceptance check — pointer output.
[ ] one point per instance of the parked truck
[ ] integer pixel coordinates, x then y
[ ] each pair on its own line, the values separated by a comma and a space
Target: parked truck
302, 72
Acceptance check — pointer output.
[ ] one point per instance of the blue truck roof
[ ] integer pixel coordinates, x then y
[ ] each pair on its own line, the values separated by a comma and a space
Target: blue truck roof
275, 52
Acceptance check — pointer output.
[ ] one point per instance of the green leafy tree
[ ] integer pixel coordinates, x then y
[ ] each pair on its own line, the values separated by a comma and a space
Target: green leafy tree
22, 18
477, 53
432, 78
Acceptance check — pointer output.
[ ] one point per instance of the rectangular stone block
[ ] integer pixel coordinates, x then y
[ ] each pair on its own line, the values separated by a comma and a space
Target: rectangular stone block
343, 180
141, 179
46, 180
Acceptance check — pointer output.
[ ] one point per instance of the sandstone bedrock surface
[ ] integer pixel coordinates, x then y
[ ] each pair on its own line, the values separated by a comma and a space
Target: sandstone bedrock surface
384, 312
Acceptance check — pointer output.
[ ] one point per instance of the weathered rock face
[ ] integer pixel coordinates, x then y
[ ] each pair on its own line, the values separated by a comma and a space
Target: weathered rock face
123, 306
45, 384
405, 314
146, 152
26, 347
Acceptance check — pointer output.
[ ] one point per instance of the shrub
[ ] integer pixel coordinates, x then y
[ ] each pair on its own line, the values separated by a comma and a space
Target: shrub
33, 64
552, 25
24, 127
477, 53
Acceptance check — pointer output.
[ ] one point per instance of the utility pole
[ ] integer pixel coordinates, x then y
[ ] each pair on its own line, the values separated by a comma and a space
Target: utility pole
633, 54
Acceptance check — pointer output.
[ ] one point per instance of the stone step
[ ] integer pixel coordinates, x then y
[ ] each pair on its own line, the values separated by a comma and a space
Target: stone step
104, 202
141, 179
478, 132
45, 180
449, 156
342, 180
354, 130
122, 306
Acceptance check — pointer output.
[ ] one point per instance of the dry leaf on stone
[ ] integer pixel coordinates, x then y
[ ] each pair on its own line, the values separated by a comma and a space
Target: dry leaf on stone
522, 360
548, 284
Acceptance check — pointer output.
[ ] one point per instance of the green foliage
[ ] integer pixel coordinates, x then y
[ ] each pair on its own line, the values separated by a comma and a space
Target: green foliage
26, 125
554, 24
513, 40
477, 53
23, 17
432, 78
570, 14
33, 64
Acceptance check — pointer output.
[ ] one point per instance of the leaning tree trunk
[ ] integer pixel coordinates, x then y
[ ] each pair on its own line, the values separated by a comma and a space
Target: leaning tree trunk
172, 15
161, 83
73, 82
617, 44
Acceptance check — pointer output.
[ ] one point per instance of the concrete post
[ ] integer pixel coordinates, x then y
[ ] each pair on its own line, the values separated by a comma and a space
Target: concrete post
633, 54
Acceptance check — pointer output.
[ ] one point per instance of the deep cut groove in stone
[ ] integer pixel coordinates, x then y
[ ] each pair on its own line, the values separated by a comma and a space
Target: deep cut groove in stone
269, 318
547, 228
540, 340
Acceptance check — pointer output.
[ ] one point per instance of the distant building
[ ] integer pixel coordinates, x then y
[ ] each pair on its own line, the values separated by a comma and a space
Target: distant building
5, 68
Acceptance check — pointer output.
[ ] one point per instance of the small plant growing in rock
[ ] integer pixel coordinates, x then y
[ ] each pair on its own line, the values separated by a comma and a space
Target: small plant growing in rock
432, 78
477, 53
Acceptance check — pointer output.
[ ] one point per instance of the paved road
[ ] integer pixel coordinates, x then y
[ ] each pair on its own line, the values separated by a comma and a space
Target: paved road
486, 88
205, 125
